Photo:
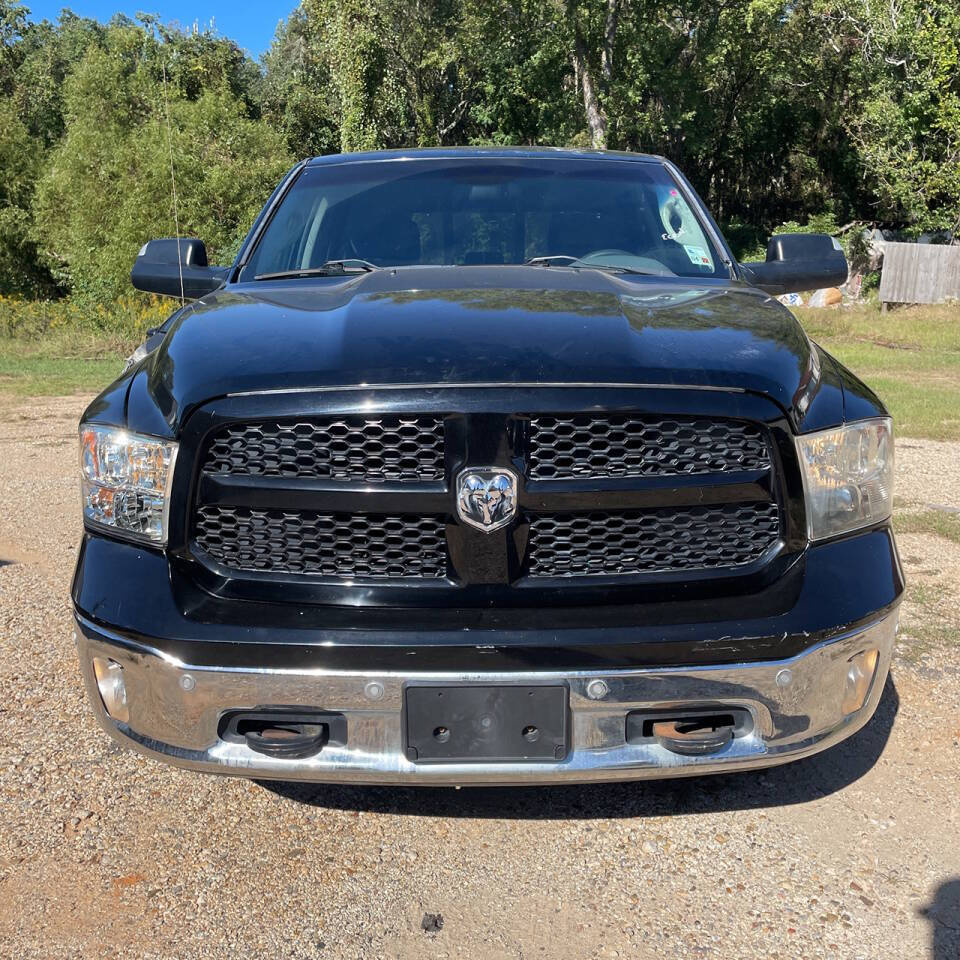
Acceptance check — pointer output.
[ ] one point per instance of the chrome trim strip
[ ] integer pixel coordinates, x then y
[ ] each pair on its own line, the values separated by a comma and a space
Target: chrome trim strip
492, 385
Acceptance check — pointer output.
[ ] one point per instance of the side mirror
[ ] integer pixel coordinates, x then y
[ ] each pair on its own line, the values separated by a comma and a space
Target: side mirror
157, 270
798, 261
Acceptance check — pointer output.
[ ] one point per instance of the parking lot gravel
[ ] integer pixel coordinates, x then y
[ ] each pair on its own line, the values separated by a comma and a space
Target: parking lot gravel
854, 853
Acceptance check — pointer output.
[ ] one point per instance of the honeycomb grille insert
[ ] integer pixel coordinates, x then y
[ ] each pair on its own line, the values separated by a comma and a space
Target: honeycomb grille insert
624, 446
339, 546
655, 541
347, 448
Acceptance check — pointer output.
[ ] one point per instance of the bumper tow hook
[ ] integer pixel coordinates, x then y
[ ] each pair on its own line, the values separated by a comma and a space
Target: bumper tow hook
693, 737
295, 741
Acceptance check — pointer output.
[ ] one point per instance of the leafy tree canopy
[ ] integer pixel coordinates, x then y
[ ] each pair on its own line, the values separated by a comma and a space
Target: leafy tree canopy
804, 112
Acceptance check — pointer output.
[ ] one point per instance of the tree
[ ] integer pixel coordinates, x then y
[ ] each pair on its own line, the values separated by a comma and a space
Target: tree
20, 271
390, 68
907, 130
297, 94
801, 111
107, 185
516, 75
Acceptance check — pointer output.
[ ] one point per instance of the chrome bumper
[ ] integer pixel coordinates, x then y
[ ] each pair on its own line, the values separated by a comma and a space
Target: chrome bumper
795, 704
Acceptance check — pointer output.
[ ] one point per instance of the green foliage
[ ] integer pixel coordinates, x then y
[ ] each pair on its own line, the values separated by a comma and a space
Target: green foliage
39, 62
824, 222
19, 163
121, 323
805, 115
107, 185
516, 75
62, 346
296, 92
748, 241
907, 130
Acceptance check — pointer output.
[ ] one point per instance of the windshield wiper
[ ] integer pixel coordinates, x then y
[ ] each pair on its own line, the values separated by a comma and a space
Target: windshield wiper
332, 268
565, 260
617, 268
551, 261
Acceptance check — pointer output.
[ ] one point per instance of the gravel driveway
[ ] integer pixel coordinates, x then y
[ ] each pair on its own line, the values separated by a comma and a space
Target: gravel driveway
854, 853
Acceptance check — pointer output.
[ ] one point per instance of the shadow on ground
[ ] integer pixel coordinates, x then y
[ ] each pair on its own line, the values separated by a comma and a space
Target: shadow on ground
943, 913
797, 782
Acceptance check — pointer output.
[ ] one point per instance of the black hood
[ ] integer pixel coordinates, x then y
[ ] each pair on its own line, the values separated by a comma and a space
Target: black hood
479, 325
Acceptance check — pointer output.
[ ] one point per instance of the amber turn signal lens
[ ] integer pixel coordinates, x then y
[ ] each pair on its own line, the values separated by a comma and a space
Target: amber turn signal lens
113, 691
860, 671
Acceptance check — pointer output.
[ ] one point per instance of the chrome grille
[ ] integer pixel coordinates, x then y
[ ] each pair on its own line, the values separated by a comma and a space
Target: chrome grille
343, 546
374, 450
653, 541
626, 446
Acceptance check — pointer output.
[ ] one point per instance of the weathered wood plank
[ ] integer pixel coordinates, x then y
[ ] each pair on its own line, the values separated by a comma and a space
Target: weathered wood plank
920, 273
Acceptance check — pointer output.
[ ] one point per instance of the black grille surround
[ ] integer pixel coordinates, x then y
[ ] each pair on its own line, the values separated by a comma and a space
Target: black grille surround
615, 445
373, 450
652, 541
327, 503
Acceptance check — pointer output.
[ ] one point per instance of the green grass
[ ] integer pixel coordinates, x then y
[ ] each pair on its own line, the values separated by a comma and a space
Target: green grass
917, 639
56, 367
63, 347
937, 523
910, 357
928, 621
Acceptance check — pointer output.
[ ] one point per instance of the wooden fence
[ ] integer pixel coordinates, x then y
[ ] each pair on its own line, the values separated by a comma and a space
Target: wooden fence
919, 273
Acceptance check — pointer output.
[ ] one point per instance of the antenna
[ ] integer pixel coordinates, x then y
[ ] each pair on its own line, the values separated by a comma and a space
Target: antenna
173, 181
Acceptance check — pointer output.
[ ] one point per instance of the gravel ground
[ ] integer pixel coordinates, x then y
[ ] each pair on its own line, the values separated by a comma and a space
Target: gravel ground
854, 853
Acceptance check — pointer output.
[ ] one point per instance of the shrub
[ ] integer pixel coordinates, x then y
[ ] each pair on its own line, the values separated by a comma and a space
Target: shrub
122, 322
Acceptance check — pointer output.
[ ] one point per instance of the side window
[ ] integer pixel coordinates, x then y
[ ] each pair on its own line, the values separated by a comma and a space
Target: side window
292, 235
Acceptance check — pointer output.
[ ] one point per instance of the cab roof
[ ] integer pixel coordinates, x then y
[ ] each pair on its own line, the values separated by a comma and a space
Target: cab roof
482, 153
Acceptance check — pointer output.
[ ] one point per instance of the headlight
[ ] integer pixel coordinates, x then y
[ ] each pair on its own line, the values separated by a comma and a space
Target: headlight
125, 481
847, 477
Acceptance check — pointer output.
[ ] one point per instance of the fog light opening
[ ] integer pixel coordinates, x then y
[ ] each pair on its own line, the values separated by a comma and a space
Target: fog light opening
113, 691
860, 671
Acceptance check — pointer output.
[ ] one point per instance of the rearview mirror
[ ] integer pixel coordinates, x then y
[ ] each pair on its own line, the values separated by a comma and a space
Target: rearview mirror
158, 267
798, 261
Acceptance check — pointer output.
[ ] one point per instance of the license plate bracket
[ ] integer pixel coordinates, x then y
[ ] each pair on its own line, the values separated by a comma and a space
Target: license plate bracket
486, 723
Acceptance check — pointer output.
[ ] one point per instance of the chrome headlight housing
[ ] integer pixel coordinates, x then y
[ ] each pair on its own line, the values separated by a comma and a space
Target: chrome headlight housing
125, 481
847, 476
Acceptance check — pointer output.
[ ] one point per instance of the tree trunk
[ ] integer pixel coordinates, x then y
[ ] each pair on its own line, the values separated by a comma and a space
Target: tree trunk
609, 39
596, 118
593, 108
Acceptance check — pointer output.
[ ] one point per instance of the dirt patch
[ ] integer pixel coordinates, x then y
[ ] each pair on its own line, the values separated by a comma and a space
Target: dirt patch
888, 344
928, 471
13, 553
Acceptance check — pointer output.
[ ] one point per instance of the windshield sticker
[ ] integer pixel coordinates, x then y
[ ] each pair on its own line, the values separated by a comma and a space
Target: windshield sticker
698, 255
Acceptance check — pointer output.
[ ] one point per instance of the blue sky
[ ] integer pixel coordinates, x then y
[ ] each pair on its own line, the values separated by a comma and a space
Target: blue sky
252, 25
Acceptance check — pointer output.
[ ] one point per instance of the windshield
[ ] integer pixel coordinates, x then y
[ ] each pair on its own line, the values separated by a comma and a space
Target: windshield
600, 214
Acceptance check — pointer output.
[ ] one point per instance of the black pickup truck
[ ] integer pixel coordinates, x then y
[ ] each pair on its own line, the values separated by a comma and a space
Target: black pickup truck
485, 466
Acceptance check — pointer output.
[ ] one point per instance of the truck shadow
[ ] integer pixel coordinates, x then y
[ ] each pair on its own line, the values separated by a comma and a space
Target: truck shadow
798, 782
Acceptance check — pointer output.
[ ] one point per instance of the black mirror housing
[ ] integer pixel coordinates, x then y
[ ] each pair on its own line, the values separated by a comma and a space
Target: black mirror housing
158, 266
798, 261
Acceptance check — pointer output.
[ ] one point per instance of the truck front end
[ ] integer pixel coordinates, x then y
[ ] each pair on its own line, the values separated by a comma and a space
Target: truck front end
486, 524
